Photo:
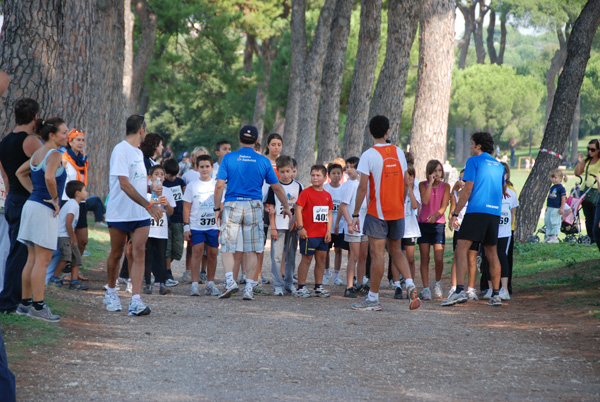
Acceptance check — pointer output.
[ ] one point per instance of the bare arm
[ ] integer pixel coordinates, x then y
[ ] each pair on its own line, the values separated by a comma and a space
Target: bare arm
280, 193
187, 207
70, 231
31, 144
344, 211
52, 164
154, 211
462, 201
361, 192
24, 176
445, 200
327, 238
580, 167
219, 188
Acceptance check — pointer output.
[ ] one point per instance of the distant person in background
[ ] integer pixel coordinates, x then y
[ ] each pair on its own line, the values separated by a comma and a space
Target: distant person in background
184, 163
588, 167
152, 148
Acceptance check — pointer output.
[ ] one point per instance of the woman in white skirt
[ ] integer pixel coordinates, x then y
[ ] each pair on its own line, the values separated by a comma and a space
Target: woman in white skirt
44, 176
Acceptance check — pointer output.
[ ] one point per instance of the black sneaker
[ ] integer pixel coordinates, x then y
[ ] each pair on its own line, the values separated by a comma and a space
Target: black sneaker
148, 289
363, 289
398, 293
350, 293
164, 290
76, 285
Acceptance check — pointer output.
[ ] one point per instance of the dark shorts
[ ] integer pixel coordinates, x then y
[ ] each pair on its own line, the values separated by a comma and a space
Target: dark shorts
381, 229
311, 245
432, 233
210, 237
408, 241
474, 246
82, 222
338, 241
129, 227
479, 227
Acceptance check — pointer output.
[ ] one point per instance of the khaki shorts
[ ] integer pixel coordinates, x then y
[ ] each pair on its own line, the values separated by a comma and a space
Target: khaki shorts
355, 239
68, 253
244, 215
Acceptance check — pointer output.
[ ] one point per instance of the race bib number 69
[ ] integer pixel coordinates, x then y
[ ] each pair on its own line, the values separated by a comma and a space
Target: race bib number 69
321, 214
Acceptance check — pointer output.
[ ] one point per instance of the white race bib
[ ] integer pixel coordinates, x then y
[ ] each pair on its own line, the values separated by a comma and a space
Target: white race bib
505, 218
321, 214
177, 193
207, 219
158, 224
336, 205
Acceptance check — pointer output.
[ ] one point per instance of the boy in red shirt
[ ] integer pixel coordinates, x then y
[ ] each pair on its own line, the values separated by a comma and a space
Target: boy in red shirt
314, 215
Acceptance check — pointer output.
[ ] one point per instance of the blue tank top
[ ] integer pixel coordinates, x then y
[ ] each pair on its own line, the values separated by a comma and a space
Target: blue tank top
40, 191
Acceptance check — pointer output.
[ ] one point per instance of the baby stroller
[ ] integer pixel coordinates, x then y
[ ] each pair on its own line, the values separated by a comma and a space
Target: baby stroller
571, 221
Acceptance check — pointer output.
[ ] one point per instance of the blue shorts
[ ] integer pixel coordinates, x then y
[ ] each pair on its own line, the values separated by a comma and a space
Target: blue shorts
129, 227
432, 233
311, 245
210, 237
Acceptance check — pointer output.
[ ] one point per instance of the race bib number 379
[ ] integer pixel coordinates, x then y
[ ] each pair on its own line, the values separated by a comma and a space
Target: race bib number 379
321, 214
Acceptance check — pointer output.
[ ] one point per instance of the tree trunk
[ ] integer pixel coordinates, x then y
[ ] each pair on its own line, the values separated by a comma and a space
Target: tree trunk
143, 56
490, 38
478, 33
388, 99
555, 66
312, 72
249, 50
298, 56
575, 131
436, 59
333, 74
129, 24
269, 52
500, 60
464, 42
561, 116
362, 77
459, 158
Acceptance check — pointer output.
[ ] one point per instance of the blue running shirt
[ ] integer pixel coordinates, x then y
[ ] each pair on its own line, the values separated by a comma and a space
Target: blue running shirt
487, 175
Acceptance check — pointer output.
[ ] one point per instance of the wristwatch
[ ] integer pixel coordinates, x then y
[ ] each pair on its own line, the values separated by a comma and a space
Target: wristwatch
355, 215
454, 214
300, 227
216, 209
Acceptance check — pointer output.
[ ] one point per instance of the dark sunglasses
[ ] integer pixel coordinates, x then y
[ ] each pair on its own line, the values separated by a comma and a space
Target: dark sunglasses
592, 149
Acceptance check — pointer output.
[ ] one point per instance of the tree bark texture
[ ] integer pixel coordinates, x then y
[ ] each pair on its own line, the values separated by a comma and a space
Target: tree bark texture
500, 59
561, 116
436, 59
333, 74
556, 65
362, 77
249, 51
388, 98
575, 131
459, 157
298, 56
490, 38
468, 12
308, 111
268, 52
478, 33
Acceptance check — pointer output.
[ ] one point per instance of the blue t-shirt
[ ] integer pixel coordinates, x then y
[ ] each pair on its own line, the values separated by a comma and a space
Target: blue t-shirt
487, 175
245, 171
177, 187
556, 193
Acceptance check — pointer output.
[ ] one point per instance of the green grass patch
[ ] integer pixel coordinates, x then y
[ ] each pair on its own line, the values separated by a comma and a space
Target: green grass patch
98, 245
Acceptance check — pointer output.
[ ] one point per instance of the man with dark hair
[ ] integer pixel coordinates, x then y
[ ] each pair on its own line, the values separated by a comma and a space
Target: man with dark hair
484, 179
129, 211
384, 222
15, 149
245, 172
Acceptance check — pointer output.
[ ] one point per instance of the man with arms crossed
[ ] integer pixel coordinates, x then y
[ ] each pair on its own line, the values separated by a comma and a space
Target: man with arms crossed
244, 171
484, 179
128, 211
382, 168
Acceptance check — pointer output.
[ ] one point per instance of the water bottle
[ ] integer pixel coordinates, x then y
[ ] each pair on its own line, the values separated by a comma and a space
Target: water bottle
156, 186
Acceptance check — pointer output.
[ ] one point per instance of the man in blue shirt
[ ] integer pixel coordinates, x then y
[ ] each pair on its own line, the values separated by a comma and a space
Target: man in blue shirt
245, 171
484, 181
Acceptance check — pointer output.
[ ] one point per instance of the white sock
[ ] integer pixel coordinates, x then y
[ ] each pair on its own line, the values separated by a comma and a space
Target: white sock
336, 274
373, 296
471, 289
397, 284
409, 283
194, 283
111, 290
365, 280
249, 284
135, 297
327, 271
229, 276
452, 289
210, 284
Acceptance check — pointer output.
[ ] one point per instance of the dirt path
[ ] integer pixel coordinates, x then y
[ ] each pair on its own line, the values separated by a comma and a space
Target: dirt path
203, 348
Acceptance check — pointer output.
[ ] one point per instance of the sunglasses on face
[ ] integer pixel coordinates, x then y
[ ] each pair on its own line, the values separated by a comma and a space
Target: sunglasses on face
592, 149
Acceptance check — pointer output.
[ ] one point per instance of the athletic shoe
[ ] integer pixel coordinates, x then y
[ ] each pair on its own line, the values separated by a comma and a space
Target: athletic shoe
488, 294
137, 307
326, 277
278, 292
211, 290
55, 280
426, 294
303, 293
290, 290
203, 277
350, 293
295, 279
22, 309
164, 290
129, 288
248, 294
230, 288
413, 298
366, 282
86, 254
472, 294
171, 282
495, 301
504, 294
437, 290
398, 293
265, 281
258, 289
451, 291
339, 282
148, 289
195, 290
112, 301
76, 285
121, 281
187, 276
366, 305
44, 314
455, 298
321, 292
362, 289
242, 279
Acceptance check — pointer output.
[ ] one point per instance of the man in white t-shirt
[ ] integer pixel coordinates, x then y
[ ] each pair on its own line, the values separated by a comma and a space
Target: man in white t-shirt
129, 212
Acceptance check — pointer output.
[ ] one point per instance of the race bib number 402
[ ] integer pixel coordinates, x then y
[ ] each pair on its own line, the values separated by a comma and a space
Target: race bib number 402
321, 214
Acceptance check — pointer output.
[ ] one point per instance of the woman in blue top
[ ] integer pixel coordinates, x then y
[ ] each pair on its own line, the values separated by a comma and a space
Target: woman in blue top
44, 176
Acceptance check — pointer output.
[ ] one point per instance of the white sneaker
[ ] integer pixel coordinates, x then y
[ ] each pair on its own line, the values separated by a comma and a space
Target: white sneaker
129, 288
504, 295
291, 290
451, 292
230, 288
339, 282
121, 281
195, 290
437, 290
426, 294
278, 292
248, 294
472, 294
171, 282
187, 276
112, 301
303, 292
326, 277
392, 286
488, 294
211, 291
137, 307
